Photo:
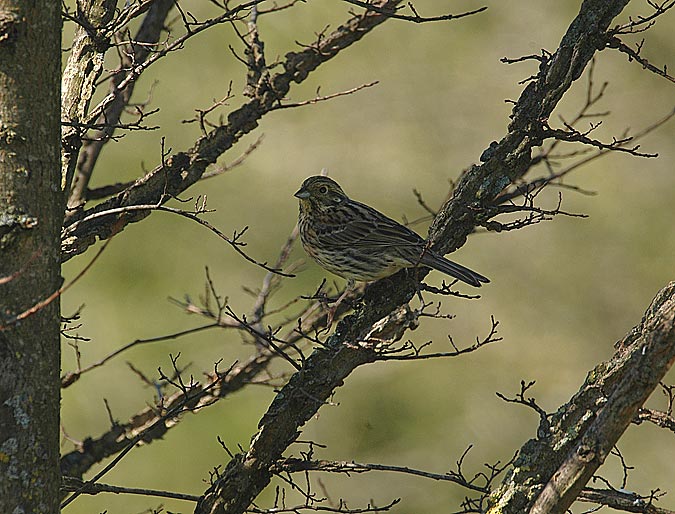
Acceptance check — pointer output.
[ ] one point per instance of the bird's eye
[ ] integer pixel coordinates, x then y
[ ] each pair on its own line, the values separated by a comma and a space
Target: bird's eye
323, 190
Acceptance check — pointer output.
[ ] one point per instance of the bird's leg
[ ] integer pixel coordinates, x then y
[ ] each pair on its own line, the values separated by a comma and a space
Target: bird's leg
418, 285
333, 308
418, 289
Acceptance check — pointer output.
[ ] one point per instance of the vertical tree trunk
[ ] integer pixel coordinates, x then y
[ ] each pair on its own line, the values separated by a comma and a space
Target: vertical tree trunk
31, 214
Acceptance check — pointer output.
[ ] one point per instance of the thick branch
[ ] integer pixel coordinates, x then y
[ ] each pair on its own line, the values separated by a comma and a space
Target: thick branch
137, 52
551, 471
183, 169
505, 162
78, 82
121, 435
325, 370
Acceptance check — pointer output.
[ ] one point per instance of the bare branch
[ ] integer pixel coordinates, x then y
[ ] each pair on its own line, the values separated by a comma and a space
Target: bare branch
318, 98
82, 70
102, 192
181, 170
313, 507
643, 23
119, 212
584, 431
544, 426
192, 29
291, 465
535, 214
71, 484
382, 318
136, 52
658, 418
117, 439
8, 322
615, 42
409, 352
622, 500
617, 145
554, 177
219, 170
507, 161
415, 17
188, 398
327, 368
73, 376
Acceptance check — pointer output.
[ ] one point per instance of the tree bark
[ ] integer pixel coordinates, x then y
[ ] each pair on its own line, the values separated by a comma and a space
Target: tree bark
31, 213
246, 475
552, 469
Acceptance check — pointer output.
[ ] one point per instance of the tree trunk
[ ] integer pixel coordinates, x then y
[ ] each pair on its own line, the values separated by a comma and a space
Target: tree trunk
31, 214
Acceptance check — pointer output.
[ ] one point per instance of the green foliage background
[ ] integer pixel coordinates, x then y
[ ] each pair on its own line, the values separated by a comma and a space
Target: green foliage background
564, 291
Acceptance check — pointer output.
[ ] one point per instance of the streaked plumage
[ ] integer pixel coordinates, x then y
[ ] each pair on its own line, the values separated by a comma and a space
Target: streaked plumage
357, 242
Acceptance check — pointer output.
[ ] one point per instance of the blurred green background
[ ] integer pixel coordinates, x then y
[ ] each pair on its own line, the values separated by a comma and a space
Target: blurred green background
564, 291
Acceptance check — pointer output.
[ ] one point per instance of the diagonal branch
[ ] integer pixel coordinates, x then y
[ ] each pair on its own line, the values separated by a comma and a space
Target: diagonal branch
415, 17
327, 368
508, 160
78, 83
615, 42
181, 170
622, 501
552, 470
216, 387
153, 422
138, 51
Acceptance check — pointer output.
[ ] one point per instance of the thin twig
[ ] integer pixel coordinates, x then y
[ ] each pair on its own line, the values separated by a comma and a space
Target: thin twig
194, 216
71, 484
319, 98
416, 18
43, 303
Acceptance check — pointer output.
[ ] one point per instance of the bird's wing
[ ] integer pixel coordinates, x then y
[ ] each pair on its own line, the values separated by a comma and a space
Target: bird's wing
358, 225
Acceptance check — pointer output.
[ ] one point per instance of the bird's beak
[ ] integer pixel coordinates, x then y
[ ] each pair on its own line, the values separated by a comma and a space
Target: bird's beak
302, 194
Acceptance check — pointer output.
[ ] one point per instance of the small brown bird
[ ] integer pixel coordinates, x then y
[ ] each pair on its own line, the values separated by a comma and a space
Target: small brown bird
359, 243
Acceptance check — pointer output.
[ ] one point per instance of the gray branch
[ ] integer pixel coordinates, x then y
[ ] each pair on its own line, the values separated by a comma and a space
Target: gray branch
137, 51
552, 470
78, 82
181, 170
349, 347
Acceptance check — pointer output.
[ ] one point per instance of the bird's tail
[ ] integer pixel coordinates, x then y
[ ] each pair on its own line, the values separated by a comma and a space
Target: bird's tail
453, 269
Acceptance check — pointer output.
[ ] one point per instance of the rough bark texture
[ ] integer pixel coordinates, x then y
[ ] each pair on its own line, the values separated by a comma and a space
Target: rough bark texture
551, 470
324, 371
148, 34
503, 163
31, 211
83, 69
182, 169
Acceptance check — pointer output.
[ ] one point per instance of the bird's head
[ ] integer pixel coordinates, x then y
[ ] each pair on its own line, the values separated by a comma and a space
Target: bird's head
319, 192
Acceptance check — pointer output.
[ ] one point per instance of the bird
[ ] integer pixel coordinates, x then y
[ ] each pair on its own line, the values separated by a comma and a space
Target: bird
359, 243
